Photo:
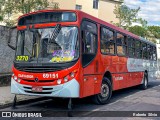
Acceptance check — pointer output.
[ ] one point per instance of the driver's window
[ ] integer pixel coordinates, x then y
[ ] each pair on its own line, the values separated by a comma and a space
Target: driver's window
89, 43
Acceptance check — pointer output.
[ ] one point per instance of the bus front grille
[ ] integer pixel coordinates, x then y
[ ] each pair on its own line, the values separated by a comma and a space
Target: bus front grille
29, 88
40, 81
39, 69
37, 92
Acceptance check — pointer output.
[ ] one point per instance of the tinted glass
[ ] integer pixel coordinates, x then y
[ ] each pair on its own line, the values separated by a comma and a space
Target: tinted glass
48, 17
107, 41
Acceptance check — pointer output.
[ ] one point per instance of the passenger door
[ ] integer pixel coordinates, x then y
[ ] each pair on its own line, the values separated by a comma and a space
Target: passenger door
89, 60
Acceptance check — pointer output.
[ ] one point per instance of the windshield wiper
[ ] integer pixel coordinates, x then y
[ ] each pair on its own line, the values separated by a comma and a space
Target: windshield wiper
55, 33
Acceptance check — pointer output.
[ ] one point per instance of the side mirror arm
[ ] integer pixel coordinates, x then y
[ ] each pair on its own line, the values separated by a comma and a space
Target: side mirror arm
13, 48
9, 39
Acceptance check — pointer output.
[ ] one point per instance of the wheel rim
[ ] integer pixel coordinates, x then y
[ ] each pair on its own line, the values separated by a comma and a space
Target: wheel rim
104, 90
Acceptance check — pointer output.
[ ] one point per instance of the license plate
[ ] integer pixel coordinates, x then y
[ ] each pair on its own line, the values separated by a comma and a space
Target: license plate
37, 89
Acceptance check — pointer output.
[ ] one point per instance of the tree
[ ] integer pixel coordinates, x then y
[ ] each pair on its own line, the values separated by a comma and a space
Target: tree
138, 30
153, 33
1, 5
127, 16
20, 7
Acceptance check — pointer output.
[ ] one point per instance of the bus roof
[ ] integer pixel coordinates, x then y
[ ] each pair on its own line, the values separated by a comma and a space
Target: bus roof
82, 15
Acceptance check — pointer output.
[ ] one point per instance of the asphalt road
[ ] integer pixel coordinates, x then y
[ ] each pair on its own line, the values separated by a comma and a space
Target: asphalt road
130, 99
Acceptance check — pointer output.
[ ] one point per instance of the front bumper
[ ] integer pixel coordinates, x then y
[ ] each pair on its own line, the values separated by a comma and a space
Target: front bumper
70, 89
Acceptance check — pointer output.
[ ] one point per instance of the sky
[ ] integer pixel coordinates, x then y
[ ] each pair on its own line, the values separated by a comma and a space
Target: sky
150, 10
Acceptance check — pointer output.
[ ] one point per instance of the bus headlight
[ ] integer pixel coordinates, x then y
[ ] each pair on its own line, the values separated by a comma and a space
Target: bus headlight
59, 81
19, 80
70, 76
15, 77
65, 79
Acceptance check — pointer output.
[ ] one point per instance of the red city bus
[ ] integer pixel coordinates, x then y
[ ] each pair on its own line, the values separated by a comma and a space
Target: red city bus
70, 54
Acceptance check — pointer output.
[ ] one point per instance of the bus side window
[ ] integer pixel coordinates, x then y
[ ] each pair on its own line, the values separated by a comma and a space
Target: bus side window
151, 52
138, 49
145, 52
150, 49
107, 41
121, 44
89, 42
131, 47
154, 54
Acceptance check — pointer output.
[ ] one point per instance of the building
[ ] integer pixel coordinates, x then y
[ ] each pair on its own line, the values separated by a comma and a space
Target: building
102, 9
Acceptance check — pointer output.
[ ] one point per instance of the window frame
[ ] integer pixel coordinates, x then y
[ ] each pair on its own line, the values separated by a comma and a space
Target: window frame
138, 49
133, 48
144, 51
123, 45
95, 4
101, 27
154, 51
78, 6
97, 39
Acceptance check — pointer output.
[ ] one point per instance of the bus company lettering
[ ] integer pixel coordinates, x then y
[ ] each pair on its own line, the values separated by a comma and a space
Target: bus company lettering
46, 75
118, 78
25, 76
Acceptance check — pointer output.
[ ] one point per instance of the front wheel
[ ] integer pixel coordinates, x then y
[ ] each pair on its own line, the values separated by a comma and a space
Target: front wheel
106, 92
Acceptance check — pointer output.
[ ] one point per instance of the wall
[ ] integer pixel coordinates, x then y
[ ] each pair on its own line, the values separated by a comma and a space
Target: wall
65, 4
106, 11
87, 6
6, 53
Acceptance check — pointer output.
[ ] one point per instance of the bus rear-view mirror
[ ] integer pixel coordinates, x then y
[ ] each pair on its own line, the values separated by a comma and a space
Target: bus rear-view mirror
12, 38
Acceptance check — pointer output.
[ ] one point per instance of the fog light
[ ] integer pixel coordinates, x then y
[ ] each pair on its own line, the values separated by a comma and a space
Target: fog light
65, 79
72, 74
59, 81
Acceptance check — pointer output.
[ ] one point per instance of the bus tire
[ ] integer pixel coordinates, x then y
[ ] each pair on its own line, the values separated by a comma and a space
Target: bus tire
106, 92
145, 82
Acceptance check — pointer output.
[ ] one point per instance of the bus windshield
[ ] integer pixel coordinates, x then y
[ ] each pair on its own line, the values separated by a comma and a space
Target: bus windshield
38, 45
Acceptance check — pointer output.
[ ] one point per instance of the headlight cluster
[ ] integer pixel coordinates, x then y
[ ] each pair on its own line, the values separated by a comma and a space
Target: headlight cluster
16, 78
67, 78
59, 81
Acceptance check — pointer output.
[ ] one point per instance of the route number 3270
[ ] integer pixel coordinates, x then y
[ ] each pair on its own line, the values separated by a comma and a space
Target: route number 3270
22, 58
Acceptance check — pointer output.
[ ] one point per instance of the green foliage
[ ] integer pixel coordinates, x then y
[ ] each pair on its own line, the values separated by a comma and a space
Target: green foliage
152, 33
125, 15
1, 18
10, 7
138, 30
26, 6
1, 15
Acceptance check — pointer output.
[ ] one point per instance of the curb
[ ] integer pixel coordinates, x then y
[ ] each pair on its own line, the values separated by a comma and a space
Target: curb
24, 102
